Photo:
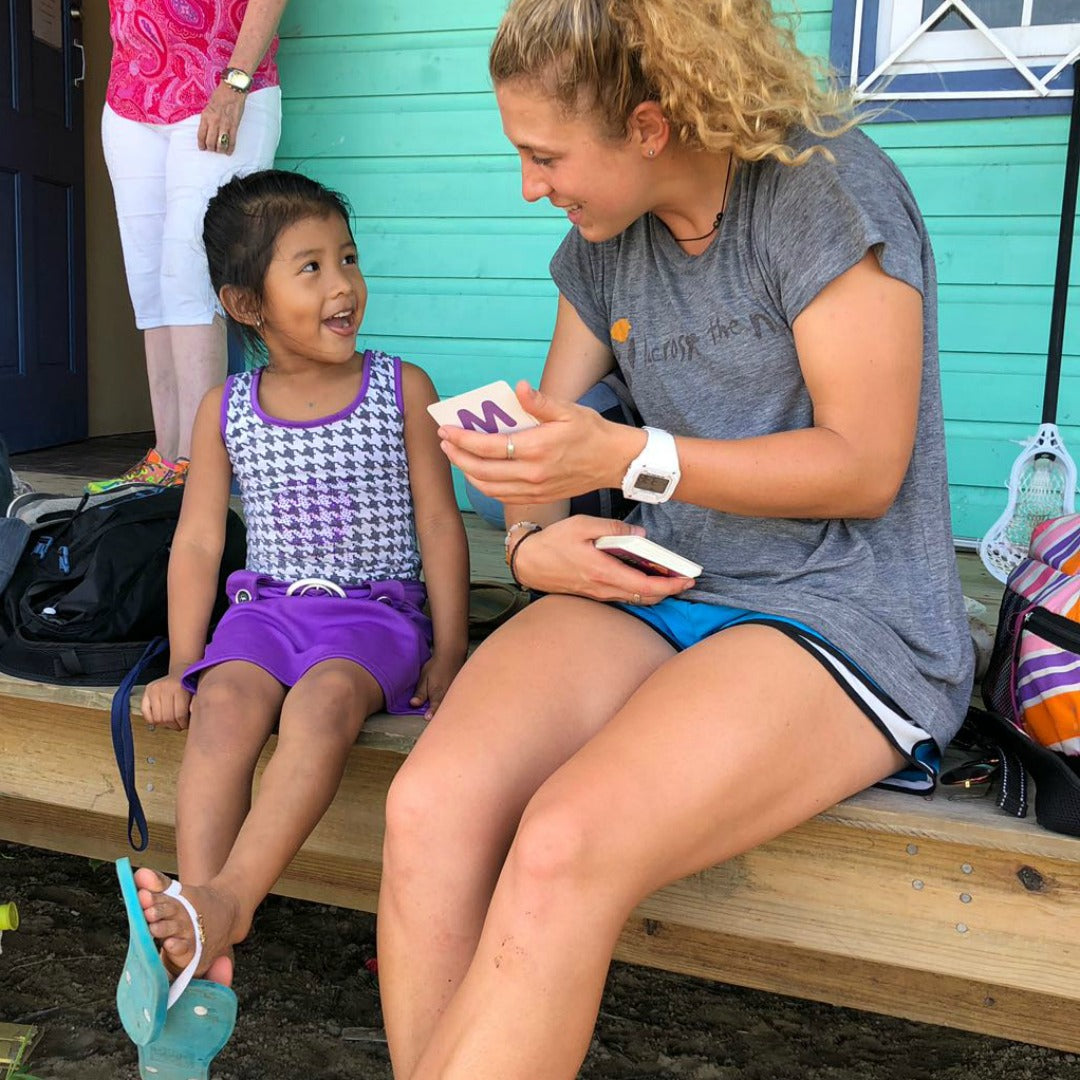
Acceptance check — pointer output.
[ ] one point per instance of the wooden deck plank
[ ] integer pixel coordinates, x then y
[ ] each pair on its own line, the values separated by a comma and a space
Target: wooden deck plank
810, 913
972, 1004
936, 909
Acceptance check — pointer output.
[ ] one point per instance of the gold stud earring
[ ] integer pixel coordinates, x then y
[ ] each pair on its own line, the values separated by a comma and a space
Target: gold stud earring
652, 152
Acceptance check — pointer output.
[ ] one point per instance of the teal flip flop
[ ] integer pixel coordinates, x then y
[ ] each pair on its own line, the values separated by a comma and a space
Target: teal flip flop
179, 1029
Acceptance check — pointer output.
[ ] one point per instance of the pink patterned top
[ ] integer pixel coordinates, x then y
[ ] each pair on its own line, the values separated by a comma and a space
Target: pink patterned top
168, 56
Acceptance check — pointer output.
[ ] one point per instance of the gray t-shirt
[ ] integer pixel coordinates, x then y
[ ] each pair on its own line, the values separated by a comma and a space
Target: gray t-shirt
705, 344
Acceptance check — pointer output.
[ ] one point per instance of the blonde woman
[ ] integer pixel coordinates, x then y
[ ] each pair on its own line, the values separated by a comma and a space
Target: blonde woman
761, 275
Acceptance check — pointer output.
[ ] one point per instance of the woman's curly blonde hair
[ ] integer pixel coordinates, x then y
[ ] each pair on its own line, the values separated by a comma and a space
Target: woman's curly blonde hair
726, 73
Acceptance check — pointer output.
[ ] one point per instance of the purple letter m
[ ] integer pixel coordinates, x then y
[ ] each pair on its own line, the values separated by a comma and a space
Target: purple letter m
490, 423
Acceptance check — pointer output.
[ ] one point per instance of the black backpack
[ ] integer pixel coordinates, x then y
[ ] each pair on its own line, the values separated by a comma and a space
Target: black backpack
89, 593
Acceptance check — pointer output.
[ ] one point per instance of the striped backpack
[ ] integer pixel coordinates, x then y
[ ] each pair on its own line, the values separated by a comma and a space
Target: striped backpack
1032, 682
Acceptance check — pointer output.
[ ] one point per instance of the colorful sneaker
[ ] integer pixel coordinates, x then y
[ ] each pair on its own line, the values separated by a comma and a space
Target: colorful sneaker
153, 469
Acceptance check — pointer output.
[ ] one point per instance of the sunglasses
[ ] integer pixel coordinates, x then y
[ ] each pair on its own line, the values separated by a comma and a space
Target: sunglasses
974, 777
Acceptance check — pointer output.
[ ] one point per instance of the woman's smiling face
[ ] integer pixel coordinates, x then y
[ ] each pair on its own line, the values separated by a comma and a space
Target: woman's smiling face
600, 183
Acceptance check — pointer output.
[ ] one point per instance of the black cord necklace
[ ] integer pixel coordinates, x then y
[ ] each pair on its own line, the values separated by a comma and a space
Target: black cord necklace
720, 214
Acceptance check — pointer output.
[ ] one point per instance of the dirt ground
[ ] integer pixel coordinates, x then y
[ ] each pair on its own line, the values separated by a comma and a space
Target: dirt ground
310, 1007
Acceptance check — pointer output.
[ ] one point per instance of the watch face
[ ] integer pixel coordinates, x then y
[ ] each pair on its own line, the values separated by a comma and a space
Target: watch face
652, 482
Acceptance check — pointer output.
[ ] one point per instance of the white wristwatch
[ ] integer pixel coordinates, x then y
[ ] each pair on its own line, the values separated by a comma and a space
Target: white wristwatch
654, 474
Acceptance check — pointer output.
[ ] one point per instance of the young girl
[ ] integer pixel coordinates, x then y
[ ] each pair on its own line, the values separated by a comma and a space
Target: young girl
760, 273
347, 497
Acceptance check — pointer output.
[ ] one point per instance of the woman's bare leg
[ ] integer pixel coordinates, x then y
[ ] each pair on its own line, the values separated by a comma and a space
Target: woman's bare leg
199, 363
161, 378
707, 760
320, 719
506, 725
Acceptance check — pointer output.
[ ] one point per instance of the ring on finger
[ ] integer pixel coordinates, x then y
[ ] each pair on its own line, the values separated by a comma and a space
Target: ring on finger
636, 598
223, 140
509, 448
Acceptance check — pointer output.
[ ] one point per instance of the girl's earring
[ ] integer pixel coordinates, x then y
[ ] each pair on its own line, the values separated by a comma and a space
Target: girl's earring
652, 152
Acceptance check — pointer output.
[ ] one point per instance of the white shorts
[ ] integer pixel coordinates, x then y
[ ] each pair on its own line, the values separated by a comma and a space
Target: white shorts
161, 183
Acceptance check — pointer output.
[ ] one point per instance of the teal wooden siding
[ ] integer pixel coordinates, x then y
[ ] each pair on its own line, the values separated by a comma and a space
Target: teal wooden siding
390, 103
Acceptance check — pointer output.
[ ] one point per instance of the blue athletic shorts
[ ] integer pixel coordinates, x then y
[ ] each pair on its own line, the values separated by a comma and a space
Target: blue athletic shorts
686, 622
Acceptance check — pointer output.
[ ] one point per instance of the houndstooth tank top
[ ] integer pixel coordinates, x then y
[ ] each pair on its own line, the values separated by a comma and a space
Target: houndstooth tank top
326, 498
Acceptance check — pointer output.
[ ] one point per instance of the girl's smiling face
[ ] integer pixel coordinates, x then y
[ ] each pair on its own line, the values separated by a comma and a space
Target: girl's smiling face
601, 184
314, 294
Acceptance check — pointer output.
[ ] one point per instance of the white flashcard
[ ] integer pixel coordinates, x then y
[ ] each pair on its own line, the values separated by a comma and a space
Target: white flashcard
493, 409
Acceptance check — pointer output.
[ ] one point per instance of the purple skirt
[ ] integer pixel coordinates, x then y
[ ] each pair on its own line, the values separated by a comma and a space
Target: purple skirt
379, 625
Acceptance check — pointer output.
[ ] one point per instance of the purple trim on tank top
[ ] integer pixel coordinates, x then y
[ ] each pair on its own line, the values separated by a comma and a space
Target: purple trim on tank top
226, 393
399, 395
341, 414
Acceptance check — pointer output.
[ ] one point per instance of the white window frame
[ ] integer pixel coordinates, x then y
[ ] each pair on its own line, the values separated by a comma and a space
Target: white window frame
970, 49
991, 50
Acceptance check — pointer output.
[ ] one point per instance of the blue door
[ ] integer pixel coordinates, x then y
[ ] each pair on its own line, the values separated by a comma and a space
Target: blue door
42, 234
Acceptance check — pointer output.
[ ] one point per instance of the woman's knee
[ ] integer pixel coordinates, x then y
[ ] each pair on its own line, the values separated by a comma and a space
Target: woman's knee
416, 811
558, 847
438, 822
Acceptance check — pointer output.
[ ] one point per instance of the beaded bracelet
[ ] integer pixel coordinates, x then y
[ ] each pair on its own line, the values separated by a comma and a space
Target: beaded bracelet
513, 554
532, 526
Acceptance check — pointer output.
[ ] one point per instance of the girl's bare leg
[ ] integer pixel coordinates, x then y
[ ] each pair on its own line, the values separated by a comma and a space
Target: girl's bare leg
232, 716
529, 698
707, 760
320, 719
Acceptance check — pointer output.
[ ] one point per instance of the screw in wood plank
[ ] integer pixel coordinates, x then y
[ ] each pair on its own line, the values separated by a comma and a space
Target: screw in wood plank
965, 898
917, 885
967, 868
1031, 879
961, 928
912, 849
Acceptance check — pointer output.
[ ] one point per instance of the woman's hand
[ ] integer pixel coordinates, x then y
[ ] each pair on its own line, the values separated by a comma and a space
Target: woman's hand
220, 120
435, 679
561, 558
167, 704
574, 450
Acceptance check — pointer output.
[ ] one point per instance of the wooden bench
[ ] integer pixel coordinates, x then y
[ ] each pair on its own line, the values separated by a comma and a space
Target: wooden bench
936, 909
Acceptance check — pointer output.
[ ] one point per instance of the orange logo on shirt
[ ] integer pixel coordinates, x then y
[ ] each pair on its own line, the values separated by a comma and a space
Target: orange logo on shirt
620, 330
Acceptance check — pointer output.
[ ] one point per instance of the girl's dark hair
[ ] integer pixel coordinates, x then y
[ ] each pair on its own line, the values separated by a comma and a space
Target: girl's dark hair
242, 224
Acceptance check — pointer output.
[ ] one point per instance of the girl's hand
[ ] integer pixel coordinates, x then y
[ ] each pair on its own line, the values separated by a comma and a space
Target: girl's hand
574, 450
435, 679
561, 558
221, 117
167, 704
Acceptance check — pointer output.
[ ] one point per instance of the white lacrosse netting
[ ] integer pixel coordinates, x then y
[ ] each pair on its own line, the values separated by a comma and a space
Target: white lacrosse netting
1042, 485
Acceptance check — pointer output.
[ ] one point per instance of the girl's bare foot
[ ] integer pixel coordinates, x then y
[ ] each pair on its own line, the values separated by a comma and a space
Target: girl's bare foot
219, 914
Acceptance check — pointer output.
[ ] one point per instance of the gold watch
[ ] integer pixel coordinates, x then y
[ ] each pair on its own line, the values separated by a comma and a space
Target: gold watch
238, 79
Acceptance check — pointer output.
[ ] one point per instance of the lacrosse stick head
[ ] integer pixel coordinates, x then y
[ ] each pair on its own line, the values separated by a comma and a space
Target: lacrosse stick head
1042, 485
